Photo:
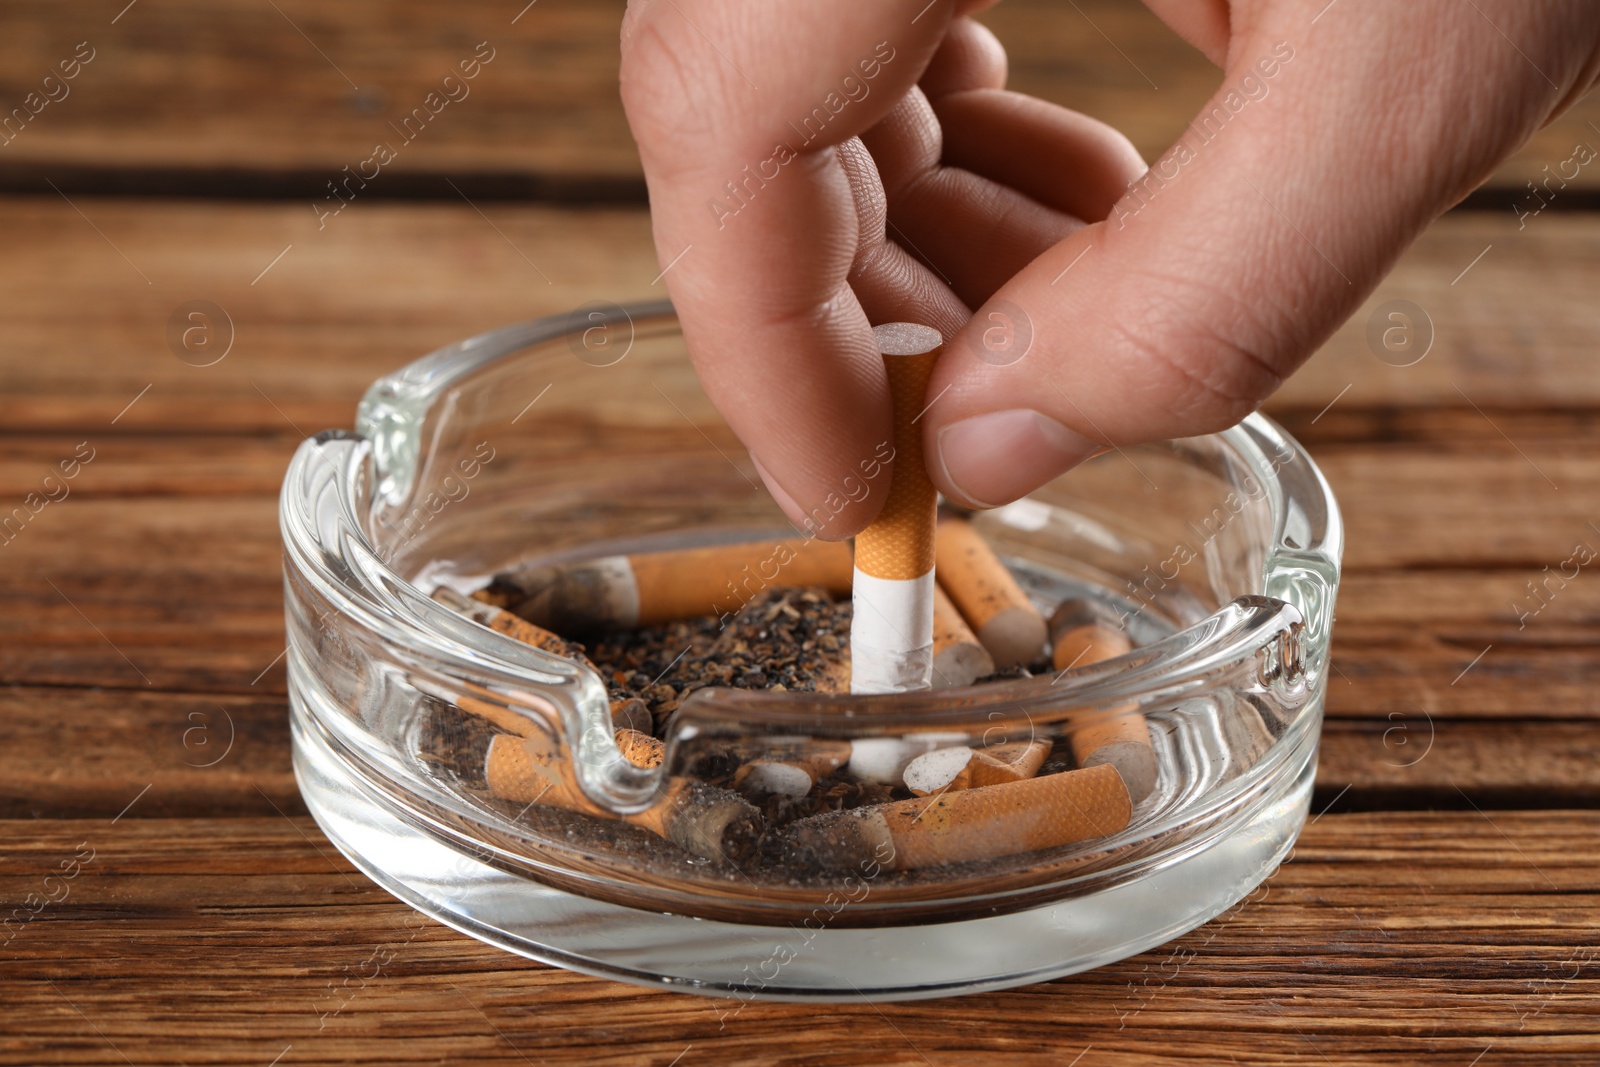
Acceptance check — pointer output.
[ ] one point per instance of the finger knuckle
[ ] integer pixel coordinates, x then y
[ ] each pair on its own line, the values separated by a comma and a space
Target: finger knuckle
668, 97
1210, 378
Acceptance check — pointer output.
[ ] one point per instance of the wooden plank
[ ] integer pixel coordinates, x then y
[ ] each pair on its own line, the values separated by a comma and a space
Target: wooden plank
382, 285
1508, 329
84, 753
1427, 937
150, 593
316, 315
239, 98
81, 753
1454, 430
1407, 760
236, 89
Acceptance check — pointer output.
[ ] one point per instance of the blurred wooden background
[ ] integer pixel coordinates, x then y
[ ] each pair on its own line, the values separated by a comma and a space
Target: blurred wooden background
1439, 908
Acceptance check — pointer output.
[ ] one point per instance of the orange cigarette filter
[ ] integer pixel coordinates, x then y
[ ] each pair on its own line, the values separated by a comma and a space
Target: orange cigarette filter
989, 598
891, 630
512, 626
701, 819
1081, 634
972, 825
641, 749
1011, 762
619, 592
630, 712
959, 767
959, 658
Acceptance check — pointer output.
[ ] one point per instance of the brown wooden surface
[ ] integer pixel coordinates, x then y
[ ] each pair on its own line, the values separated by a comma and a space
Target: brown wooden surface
1440, 910
1418, 938
235, 96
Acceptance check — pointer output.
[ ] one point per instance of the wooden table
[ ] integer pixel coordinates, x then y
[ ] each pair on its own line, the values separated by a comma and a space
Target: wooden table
1441, 907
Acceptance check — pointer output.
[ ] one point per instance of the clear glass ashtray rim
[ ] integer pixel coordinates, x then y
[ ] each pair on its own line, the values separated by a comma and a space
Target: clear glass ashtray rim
336, 474
388, 607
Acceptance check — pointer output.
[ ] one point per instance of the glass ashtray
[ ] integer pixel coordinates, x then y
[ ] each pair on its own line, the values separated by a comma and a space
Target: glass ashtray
586, 436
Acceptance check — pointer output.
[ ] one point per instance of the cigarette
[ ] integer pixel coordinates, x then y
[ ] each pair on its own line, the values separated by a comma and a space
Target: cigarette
972, 825
504, 622
701, 819
1011, 762
640, 749
791, 776
884, 759
940, 770
961, 767
630, 712
959, 658
990, 599
621, 592
1082, 633
891, 630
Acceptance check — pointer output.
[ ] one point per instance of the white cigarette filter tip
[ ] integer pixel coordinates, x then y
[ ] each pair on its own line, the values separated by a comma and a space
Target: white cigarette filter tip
936, 770
883, 759
891, 634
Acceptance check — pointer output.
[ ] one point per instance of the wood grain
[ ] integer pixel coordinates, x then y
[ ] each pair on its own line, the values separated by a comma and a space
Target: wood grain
82, 753
142, 709
237, 98
237, 91
378, 287
1419, 937
384, 284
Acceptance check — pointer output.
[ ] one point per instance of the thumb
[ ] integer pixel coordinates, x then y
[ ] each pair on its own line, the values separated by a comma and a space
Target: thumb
1330, 145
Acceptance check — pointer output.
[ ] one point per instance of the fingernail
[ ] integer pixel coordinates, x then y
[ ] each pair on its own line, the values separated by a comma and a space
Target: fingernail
796, 513
994, 459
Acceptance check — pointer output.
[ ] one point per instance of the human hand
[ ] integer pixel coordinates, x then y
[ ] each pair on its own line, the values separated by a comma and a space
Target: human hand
1110, 308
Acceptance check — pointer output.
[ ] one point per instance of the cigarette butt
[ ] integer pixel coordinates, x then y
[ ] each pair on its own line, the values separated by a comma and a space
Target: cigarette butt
639, 749
791, 775
620, 592
963, 768
1081, 633
1011, 762
940, 770
990, 599
884, 759
1123, 741
971, 825
631, 713
891, 630
502, 621
765, 778
701, 819
959, 658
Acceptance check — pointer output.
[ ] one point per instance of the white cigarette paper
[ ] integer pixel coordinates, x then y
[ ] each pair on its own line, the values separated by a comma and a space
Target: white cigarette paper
891, 630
